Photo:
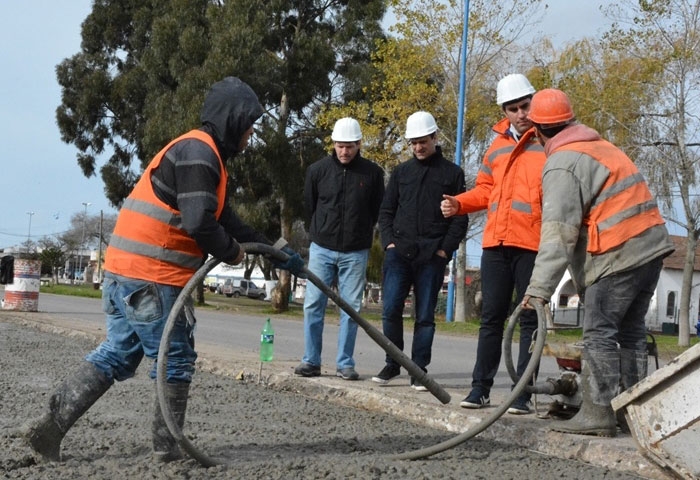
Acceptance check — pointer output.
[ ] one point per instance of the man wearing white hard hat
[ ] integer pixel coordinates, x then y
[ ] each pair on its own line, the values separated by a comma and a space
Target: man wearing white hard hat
342, 194
418, 241
509, 187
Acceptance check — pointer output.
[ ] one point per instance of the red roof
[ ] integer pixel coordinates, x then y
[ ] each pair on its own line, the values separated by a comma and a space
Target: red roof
676, 260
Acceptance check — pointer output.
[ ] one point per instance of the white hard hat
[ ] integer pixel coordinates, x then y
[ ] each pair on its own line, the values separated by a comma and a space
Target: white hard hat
512, 87
346, 130
420, 124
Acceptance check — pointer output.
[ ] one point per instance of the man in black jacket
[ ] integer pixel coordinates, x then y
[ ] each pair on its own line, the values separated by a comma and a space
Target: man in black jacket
418, 240
342, 194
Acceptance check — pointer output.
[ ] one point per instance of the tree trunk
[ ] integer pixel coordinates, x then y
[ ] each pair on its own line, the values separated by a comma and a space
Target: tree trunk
460, 310
200, 294
472, 296
280, 295
686, 290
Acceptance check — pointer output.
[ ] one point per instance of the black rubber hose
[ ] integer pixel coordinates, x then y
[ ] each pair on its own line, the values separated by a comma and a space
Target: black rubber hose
394, 352
501, 409
161, 369
508, 355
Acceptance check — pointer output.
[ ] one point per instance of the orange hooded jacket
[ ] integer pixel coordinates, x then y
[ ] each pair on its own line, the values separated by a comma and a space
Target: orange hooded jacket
509, 186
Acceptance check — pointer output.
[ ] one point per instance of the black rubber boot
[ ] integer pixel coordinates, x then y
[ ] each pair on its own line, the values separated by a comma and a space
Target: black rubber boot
69, 402
633, 368
600, 380
165, 447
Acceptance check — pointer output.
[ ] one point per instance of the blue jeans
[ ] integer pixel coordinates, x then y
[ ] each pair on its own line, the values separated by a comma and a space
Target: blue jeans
137, 312
503, 269
615, 309
349, 269
427, 279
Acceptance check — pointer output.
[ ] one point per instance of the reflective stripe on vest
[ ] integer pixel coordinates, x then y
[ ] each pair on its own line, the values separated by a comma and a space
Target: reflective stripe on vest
624, 207
149, 242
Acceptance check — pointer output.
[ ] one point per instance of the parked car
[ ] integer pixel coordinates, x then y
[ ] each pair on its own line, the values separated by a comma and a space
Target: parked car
236, 287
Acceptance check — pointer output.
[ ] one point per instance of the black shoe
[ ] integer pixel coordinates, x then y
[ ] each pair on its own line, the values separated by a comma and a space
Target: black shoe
307, 370
521, 405
475, 399
387, 373
347, 373
418, 387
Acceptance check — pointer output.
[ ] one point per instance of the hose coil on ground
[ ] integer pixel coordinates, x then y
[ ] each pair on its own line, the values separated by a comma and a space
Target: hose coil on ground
520, 386
161, 368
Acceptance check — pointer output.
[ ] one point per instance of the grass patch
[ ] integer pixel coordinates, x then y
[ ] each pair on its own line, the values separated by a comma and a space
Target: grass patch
72, 290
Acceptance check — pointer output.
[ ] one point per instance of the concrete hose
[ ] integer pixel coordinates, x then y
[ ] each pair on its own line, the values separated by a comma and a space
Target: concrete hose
508, 355
520, 386
161, 379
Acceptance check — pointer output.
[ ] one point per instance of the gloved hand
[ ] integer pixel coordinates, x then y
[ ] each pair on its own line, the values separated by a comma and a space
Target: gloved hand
295, 264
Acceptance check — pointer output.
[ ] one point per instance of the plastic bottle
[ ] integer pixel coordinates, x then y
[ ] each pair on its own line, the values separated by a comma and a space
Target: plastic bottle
267, 342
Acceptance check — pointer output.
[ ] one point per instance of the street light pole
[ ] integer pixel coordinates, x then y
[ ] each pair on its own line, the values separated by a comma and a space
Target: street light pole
82, 240
29, 232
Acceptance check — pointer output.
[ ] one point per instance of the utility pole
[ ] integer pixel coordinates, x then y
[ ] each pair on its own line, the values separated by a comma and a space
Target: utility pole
458, 258
99, 255
29, 232
82, 241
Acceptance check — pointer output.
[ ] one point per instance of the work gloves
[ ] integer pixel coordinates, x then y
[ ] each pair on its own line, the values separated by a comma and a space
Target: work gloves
294, 263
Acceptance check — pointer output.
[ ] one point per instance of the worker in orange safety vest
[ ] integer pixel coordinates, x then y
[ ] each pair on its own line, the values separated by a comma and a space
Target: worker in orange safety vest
177, 214
600, 220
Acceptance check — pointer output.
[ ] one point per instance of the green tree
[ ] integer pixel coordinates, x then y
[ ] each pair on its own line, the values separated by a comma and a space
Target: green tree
609, 89
666, 35
52, 256
639, 86
144, 67
418, 69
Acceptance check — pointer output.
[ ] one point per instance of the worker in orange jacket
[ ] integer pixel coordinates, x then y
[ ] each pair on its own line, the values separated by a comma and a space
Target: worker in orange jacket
599, 220
508, 186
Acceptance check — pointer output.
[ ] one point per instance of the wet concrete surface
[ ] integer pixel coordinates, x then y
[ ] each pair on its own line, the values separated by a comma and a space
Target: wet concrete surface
277, 425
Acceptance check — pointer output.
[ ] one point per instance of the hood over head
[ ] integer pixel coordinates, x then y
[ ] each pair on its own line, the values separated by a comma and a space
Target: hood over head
230, 108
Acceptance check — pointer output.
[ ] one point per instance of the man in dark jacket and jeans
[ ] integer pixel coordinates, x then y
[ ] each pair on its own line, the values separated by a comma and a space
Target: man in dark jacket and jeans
418, 240
342, 194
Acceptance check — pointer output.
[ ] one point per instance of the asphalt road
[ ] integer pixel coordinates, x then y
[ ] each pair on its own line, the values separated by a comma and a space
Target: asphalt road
452, 362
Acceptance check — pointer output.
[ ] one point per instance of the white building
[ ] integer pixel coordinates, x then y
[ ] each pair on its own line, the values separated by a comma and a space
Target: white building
663, 310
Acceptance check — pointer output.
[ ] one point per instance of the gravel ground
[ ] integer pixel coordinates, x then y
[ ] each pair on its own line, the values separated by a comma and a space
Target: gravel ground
257, 431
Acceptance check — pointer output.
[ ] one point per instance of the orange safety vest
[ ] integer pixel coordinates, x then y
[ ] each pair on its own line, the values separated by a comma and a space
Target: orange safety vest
509, 185
624, 207
148, 242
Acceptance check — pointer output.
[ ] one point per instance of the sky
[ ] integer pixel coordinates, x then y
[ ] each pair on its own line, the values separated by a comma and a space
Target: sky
39, 173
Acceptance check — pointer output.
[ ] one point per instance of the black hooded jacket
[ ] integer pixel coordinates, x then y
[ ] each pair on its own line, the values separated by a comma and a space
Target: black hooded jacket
189, 174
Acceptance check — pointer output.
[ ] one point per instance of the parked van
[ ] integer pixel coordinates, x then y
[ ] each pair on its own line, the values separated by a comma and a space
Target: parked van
236, 287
